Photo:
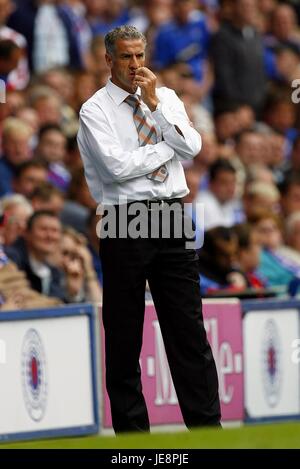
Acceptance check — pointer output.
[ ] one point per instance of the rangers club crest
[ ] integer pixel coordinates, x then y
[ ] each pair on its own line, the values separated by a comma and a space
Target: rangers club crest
34, 377
271, 362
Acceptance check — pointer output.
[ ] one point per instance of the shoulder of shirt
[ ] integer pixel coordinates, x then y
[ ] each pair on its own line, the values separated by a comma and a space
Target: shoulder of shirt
164, 92
97, 99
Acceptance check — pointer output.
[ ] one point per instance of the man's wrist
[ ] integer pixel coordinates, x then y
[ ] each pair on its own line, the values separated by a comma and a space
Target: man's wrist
152, 105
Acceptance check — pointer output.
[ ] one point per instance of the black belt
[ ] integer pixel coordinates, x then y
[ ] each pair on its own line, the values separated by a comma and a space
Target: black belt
157, 204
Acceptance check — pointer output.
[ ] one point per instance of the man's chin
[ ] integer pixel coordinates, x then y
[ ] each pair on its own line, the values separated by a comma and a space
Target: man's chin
130, 87
134, 88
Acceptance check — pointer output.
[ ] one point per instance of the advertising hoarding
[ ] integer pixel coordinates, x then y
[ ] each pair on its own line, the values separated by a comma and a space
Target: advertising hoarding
47, 373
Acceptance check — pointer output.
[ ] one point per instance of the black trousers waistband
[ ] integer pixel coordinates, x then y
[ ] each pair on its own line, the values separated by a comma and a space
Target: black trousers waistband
154, 204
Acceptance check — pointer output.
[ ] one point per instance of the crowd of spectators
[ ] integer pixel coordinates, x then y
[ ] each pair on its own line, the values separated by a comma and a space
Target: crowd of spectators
236, 66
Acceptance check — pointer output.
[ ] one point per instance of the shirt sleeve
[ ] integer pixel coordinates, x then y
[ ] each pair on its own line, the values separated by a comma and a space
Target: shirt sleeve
170, 115
99, 143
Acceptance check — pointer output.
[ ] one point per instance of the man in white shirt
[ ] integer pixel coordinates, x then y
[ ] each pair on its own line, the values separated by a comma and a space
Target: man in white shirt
221, 207
132, 139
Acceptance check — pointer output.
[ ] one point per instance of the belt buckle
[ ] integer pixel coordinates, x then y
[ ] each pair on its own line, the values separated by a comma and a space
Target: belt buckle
158, 204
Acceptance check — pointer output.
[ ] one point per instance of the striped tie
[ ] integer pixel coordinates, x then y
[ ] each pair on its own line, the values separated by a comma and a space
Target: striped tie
147, 134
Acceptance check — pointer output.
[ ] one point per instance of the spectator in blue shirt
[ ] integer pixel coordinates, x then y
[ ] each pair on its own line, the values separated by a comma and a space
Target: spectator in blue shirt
185, 39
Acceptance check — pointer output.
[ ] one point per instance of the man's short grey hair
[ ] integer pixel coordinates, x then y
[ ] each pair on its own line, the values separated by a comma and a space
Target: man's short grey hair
122, 32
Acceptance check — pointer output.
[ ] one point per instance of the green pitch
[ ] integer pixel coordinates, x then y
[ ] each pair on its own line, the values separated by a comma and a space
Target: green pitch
285, 435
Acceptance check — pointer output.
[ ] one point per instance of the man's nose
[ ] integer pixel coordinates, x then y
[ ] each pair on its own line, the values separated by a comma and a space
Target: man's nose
134, 62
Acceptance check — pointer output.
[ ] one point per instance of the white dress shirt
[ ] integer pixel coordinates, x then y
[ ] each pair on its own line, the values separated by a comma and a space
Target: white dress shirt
43, 271
115, 165
217, 214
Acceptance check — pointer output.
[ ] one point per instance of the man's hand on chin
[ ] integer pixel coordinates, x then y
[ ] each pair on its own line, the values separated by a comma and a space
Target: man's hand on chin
146, 80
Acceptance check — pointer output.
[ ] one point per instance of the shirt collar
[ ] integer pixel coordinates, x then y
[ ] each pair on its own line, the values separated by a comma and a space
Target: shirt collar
118, 94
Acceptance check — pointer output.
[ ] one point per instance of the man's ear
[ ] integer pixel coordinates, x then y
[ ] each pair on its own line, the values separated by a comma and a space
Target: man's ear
109, 60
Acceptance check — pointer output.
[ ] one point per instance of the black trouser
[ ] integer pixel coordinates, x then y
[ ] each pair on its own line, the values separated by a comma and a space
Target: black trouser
173, 276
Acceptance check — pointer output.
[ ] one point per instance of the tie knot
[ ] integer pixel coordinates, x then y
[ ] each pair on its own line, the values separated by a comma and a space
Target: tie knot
132, 100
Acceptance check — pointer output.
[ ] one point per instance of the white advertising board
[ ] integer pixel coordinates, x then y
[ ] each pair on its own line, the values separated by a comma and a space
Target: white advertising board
47, 374
271, 373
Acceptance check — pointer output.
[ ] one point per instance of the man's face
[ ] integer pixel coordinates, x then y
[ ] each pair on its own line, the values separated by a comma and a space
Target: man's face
48, 110
16, 148
246, 11
44, 237
29, 180
52, 146
223, 186
129, 55
183, 9
16, 220
250, 149
96, 7
227, 125
268, 234
226, 251
284, 22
